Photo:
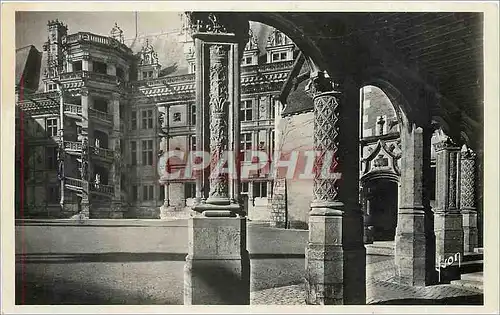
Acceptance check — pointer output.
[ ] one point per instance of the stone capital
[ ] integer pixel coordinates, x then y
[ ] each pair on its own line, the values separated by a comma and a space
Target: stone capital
446, 144
467, 154
84, 92
320, 83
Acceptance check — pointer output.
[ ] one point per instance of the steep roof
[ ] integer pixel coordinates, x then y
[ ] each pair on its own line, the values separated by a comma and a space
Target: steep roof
27, 66
22, 55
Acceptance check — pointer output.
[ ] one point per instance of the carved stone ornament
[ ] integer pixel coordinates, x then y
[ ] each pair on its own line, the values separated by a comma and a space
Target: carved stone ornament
326, 131
218, 99
446, 143
217, 23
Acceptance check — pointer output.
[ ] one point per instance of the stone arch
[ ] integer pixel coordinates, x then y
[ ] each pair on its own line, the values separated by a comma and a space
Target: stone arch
391, 84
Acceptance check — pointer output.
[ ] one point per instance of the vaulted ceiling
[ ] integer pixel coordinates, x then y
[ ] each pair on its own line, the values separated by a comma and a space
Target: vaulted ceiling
440, 53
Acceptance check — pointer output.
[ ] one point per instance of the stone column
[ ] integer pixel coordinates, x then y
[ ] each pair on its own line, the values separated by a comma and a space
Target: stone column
448, 225
116, 168
468, 198
87, 64
217, 269
415, 245
368, 218
85, 156
165, 209
335, 254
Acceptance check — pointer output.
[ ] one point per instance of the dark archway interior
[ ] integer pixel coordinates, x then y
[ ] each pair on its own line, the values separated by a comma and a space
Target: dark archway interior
383, 200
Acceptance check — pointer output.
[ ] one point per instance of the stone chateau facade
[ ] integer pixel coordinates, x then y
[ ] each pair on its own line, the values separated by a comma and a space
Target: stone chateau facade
120, 111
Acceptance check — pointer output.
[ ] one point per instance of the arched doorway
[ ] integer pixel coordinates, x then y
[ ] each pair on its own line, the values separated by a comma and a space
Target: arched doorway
381, 210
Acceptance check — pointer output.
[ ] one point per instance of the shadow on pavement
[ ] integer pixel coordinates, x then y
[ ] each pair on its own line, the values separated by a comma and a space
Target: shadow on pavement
460, 300
49, 292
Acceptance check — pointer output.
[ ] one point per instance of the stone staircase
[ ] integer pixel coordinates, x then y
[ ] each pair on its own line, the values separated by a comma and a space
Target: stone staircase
471, 270
471, 267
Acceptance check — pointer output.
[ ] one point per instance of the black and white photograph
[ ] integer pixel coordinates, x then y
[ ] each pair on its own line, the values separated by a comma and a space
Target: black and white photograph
194, 156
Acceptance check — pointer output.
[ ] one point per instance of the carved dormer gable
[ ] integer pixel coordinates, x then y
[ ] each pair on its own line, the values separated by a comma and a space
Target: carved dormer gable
383, 159
279, 47
252, 43
251, 52
277, 38
148, 55
149, 67
117, 33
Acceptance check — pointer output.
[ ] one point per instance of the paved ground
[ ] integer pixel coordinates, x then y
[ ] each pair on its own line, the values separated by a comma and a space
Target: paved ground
112, 273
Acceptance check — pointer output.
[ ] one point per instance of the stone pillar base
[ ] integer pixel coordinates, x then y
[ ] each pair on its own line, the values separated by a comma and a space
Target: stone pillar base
410, 248
448, 228
335, 271
85, 210
217, 269
368, 235
116, 210
469, 218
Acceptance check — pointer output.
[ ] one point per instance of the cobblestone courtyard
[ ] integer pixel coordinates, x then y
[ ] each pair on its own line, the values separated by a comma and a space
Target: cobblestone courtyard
92, 265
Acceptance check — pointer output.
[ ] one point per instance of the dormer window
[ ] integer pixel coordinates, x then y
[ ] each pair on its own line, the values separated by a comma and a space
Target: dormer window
247, 61
51, 87
77, 66
192, 67
279, 56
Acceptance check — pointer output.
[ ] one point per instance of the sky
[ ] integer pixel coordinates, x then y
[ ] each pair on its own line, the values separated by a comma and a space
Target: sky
160, 28
31, 26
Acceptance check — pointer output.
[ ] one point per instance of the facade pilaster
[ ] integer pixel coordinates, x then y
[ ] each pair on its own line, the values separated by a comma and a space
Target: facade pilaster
335, 254
468, 199
415, 243
116, 166
217, 235
85, 166
448, 225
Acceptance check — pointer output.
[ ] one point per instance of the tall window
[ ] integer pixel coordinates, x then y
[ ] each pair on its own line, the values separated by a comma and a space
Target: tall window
53, 194
133, 120
51, 157
120, 73
100, 67
246, 110
192, 143
193, 114
147, 192
260, 189
161, 195
190, 190
51, 127
135, 193
147, 119
273, 135
101, 104
133, 152
77, 66
244, 187
245, 143
246, 140
275, 104
147, 152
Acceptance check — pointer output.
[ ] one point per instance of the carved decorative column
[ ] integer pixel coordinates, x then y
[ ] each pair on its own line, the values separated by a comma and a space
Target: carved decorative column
335, 254
116, 167
217, 269
415, 244
468, 198
448, 226
85, 156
